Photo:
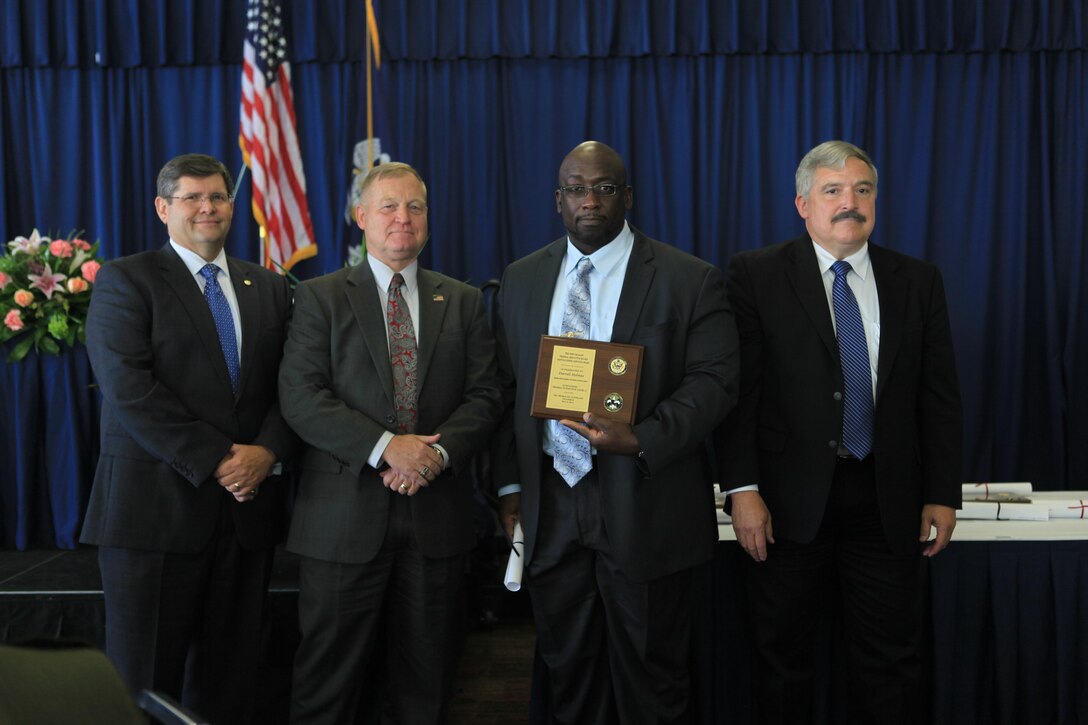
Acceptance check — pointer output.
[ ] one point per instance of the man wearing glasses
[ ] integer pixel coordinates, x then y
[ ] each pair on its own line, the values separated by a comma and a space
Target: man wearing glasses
185, 343
614, 516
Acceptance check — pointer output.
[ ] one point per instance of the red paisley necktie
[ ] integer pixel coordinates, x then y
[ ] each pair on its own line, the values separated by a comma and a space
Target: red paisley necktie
402, 356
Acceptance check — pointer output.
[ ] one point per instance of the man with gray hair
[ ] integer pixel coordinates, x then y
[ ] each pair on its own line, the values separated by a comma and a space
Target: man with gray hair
844, 450
389, 378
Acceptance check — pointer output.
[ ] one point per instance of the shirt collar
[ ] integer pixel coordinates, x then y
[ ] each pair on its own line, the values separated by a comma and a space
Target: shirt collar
859, 260
383, 273
605, 258
194, 262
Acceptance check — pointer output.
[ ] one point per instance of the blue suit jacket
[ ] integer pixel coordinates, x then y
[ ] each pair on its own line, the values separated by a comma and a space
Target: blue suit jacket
169, 415
784, 432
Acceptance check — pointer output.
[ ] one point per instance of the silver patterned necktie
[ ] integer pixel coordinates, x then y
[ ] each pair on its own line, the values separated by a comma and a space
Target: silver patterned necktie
402, 356
857, 407
224, 321
572, 455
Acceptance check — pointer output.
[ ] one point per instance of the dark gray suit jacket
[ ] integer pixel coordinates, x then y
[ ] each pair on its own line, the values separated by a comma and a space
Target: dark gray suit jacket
336, 386
660, 518
784, 432
168, 414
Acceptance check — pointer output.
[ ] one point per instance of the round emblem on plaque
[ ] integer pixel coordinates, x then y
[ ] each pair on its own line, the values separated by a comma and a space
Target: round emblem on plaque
617, 366
613, 402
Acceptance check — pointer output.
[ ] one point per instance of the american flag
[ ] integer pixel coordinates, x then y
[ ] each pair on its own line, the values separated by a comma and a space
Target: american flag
268, 140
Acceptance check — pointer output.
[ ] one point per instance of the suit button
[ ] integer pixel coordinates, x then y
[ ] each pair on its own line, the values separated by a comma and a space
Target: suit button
390, 419
832, 444
837, 396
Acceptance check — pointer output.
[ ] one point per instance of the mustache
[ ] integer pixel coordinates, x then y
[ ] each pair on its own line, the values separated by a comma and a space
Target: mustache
849, 214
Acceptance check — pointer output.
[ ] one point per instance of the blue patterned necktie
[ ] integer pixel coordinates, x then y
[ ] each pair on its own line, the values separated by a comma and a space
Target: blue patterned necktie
224, 321
857, 408
402, 356
572, 456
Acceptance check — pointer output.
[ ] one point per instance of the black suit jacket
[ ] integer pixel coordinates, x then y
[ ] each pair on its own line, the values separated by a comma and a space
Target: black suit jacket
336, 386
784, 433
169, 415
660, 518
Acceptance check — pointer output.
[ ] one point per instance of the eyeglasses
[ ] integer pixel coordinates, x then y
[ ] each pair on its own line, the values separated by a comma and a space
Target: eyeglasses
217, 199
580, 191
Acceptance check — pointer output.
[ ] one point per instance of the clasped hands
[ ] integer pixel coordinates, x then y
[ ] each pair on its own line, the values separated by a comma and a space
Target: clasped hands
243, 469
413, 463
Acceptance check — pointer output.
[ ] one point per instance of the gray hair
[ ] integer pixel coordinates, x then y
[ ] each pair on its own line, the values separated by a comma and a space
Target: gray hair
828, 155
197, 166
389, 170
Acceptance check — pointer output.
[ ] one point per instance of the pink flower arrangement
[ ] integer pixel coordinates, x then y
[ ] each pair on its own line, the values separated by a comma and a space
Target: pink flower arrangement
61, 249
89, 270
13, 320
45, 291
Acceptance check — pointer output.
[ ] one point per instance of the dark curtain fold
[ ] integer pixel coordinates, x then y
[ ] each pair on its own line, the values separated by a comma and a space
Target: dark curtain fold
976, 113
151, 33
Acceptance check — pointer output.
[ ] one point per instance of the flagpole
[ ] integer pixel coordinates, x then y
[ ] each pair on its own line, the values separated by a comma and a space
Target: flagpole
369, 96
238, 181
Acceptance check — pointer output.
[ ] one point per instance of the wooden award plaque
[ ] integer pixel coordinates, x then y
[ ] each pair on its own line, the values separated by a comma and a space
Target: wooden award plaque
575, 376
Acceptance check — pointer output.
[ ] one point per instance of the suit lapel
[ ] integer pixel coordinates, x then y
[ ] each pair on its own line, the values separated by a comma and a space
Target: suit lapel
538, 311
636, 288
803, 272
540, 299
362, 294
177, 276
249, 308
891, 290
433, 303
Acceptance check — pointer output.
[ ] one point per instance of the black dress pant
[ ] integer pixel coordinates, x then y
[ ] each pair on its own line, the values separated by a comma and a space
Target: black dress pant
616, 650
848, 575
189, 625
385, 633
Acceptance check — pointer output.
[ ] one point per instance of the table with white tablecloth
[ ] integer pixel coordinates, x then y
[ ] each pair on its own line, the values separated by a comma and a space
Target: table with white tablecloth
1005, 636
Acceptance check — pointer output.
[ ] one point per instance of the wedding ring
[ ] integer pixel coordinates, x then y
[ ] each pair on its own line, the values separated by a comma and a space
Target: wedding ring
235, 487
403, 487
424, 471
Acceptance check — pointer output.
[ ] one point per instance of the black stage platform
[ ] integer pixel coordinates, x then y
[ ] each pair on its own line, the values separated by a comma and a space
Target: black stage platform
56, 594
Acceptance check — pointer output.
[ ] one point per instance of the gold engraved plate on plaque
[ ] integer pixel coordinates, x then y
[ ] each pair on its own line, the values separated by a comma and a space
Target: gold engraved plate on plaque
576, 376
571, 378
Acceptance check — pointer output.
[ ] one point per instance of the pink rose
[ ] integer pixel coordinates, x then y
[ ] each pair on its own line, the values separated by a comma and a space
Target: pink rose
14, 320
23, 298
5, 280
89, 270
77, 285
60, 248
80, 244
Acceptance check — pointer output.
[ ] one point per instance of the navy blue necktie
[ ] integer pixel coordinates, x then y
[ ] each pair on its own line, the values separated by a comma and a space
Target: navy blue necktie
857, 408
224, 321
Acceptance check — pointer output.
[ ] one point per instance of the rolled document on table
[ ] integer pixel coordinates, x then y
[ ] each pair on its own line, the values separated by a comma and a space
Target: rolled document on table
984, 490
516, 562
1068, 508
992, 511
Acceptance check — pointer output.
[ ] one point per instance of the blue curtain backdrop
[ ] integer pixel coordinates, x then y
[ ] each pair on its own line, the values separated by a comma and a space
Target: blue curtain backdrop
975, 111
